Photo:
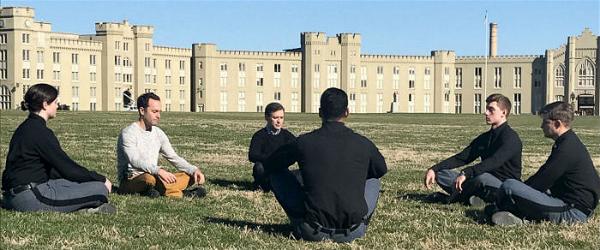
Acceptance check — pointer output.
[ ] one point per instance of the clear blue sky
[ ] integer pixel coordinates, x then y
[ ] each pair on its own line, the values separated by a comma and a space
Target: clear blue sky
387, 27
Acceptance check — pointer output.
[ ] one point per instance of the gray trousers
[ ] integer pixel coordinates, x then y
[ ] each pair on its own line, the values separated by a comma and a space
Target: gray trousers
528, 203
484, 186
286, 186
58, 195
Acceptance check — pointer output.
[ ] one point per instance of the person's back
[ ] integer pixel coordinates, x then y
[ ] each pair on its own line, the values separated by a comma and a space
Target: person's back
335, 162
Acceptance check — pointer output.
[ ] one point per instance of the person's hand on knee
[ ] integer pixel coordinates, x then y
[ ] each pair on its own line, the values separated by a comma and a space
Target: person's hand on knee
429, 178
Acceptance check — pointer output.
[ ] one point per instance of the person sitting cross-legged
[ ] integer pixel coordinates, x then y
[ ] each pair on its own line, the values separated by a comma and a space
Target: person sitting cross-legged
340, 171
500, 151
138, 148
565, 189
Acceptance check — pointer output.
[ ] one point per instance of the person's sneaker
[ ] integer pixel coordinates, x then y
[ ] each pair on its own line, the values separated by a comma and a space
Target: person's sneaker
475, 201
437, 197
504, 218
105, 208
197, 192
151, 192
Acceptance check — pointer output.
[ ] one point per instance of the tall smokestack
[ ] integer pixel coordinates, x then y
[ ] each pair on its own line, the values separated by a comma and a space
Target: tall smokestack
493, 39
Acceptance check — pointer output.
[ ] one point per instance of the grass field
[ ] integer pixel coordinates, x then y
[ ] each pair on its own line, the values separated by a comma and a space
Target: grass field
232, 216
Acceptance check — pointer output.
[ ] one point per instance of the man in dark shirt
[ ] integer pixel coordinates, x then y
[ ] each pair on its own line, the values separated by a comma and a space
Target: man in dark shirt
500, 152
340, 171
565, 189
266, 141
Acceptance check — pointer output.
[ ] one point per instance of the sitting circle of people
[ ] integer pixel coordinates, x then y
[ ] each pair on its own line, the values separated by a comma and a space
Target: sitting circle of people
333, 193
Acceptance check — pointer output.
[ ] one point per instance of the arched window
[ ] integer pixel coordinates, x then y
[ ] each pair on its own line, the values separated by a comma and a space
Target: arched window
585, 74
559, 76
5, 98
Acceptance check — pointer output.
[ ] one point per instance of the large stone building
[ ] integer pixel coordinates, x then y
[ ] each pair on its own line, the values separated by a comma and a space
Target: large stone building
124, 62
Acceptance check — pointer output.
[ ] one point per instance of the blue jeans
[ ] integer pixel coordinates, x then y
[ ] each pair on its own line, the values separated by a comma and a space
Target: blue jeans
528, 203
483, 186
288, 191
59, 195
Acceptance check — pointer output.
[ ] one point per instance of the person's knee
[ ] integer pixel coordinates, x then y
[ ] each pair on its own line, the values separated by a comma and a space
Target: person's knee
148, 179
510, 185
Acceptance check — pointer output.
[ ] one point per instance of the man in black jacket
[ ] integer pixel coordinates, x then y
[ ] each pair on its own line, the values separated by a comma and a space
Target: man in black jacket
340, 171
500, 152
565, 189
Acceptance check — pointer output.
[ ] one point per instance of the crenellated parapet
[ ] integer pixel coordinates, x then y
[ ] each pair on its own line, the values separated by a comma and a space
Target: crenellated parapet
17, 12
260, 54
396, 58
171, 51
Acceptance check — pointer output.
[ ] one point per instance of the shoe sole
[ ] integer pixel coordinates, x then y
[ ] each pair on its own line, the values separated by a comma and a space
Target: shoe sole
506, 219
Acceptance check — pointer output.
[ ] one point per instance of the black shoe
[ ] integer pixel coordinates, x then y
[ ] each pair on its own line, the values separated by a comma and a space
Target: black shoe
437, 197
151, 193
490, 210
197, 192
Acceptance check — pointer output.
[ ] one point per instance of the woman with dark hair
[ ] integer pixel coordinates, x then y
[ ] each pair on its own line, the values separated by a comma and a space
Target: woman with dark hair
266, 141
39, 176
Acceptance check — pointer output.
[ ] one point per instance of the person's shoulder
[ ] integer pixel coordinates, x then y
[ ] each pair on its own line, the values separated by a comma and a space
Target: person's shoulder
286, 132
259, 133
131, 128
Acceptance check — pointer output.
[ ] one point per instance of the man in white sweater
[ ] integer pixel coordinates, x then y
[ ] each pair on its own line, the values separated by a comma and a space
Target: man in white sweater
138, 149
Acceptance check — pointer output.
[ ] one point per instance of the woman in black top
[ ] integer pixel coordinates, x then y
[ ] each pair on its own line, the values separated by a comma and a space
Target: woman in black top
266, 141
39, 176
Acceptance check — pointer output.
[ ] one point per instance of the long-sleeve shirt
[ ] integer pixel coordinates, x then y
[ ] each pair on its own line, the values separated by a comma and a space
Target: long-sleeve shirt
263, 143
500, 150
35, 155
569, 174
335, 163
138, 151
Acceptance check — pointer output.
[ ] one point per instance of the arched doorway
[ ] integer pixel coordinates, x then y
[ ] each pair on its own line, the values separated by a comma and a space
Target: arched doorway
585, 104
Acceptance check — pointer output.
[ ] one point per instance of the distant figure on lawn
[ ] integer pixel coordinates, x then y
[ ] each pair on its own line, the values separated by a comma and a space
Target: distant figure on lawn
565, 189
39, 175
138, 149
266, 141
340, 172
500, 151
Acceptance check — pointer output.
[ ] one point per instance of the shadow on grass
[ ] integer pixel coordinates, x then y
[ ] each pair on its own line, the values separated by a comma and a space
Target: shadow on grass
280, 229
425, 198
237, 185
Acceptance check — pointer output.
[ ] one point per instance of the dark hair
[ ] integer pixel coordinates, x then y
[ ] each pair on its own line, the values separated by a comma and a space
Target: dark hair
558, 111
503, 102
36, 96
142, 101
334, 103
272, 108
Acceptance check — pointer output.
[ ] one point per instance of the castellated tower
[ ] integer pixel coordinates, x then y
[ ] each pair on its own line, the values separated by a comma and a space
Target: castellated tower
143, 50
204, 67
350, 47
313, 45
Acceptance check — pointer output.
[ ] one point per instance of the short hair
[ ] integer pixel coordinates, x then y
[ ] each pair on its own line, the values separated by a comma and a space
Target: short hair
503, 102
560, 110
142, 101
36, 95
334, 103
272, 108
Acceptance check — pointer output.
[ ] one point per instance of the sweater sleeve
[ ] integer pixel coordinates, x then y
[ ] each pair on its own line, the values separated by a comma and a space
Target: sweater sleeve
255, 153
466, 156
128, 143
511, 146
168, 152
552, 170
377, 165
53, 154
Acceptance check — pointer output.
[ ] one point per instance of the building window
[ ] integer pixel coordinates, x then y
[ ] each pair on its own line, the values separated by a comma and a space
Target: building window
182, 94
559, 98
458, 103
92, 91
459, 78
497, 77
426, 103
167, 80
277, 67
75, 58
56, 75
26, 74
317, 68
242, 67
92, 76
517, 77
260, 81
241, 101
478, 79
585, 74
92, 59
125, 46
5, 98
182, 80
147, 47
3, 64
75, 106
259, 67
363, 77
25, 55
411, 78
40, 56
75, 91
277, 96
477, 104
167, 64
75, 76
117, 45
40, 74
56, 57
3, 38
92, 106
117, 60
294, 68
559, 76
411, 103
517, 103
259, 102
25, 38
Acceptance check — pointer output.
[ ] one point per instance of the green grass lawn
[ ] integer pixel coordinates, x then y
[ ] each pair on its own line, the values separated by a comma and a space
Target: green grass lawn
231, 216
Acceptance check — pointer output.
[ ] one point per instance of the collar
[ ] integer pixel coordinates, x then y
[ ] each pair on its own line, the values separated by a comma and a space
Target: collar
37, 117
271, 132
500, 128
563, 137
334, 126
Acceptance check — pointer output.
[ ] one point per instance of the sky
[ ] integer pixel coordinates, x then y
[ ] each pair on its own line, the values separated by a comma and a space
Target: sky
387, 27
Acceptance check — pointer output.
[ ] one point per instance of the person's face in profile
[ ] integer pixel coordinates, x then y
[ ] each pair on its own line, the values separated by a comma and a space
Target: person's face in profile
151, 114
494, 115
276, 119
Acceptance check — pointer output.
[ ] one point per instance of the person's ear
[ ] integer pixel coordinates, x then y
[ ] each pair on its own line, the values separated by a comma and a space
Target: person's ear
557, 123
141, 111
346, 113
